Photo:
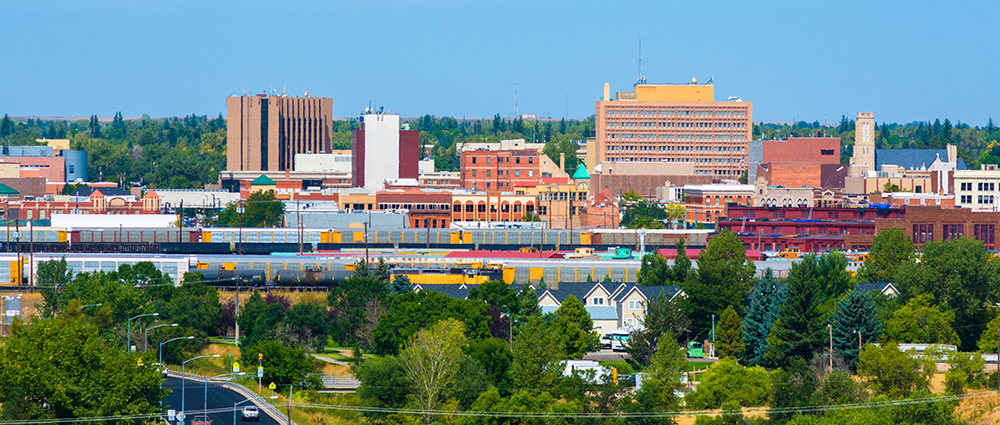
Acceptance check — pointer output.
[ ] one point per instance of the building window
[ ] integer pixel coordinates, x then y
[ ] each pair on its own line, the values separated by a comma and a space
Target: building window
778, 214
984, 233
531, 160
488, 160
628, 322
457, 208
966, 186
468, 207
826, 151
517, 173
473, 160
517, 160
953, 231
482, 208
834, 215
598, 301
923, 233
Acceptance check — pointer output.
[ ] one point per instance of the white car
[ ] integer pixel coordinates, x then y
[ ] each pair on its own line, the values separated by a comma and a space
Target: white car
250, 413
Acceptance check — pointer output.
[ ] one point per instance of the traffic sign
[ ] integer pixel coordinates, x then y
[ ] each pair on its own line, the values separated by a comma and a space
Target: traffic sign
171, 413
180, 417
236, 367
272, 386
260, 372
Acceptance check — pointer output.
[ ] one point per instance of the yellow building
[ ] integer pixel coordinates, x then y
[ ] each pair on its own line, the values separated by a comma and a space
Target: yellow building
559, 201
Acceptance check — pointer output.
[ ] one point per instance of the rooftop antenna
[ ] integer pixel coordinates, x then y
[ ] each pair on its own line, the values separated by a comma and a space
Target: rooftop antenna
640, 79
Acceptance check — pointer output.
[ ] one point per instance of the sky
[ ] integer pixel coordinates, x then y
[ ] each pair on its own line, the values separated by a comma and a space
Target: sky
800, 60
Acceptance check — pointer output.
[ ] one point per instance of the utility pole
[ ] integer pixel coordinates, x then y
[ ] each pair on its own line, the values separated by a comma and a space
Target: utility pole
830, 328
290, 404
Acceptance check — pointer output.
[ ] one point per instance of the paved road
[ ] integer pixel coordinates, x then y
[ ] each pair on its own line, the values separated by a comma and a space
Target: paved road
218, 397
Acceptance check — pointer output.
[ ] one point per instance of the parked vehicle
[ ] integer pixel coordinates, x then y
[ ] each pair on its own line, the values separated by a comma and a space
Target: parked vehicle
619, 338
695, 350
250, 413
606, 341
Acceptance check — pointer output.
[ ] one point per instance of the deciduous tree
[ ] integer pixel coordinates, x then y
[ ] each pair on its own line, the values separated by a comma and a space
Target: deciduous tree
920, 321
431, 361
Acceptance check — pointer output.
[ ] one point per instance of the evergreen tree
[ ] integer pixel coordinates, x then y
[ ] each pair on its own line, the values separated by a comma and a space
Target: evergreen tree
729, 338
832, 275
382, 271
856, 313
607, 279
682, 264
400, 285
798, 333
361, 269
590, 277
654, 270
724, 277
767, 301
95, 127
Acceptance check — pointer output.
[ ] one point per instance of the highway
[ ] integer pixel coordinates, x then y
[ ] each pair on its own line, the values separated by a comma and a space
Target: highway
218, 398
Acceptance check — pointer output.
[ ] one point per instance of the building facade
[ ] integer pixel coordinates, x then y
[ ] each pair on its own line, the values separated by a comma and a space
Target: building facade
978, 190
930, 223
484, 206
382, 151
264, 133
707, 203
500, 170
674, 123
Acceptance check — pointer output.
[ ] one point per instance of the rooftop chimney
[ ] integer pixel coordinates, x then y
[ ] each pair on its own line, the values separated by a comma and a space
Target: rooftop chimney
562, 161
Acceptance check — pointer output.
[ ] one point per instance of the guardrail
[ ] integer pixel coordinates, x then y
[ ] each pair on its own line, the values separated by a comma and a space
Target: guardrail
243, 391
337, 380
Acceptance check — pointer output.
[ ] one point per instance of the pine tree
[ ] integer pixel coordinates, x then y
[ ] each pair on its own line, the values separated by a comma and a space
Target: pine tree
95, 127
654, 270
729, 338
767, 301
590, 277
400, 285
361, 269
607, 279
682, 264
856, 313
382, 270
798, 333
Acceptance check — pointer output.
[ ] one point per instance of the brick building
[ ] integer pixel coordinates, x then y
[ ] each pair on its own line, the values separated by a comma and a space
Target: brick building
381, 151
485, 206
424, 209
808, 228
793, 162
707, 203
88, 201
500, 170
673, 123
931, 223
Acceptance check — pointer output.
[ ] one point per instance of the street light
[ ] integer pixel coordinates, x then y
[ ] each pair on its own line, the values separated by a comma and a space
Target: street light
184, 377
713, 336
169, 340
128, 340
145, 334
206, 387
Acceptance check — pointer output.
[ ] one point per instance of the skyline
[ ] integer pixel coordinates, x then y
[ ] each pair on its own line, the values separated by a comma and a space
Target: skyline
802, 61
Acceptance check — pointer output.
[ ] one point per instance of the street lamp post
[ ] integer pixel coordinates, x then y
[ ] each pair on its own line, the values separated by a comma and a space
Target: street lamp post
184, 377
128, 340
206, 387
713, 335
145, 334
170, 340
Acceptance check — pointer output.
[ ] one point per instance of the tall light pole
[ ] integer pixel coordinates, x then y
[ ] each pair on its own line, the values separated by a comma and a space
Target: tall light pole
184, 377
128, 340
170, 340
713, 336
206, 387
145, 334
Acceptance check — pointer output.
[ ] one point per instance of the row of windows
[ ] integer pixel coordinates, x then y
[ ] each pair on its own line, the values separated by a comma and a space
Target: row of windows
832, 215
562, 196
982, 232
517, 173
985, 187
665, 124
672, 113
694, 160
703, 137
388, 206
662, 148
502, 159
803, 230
493, 208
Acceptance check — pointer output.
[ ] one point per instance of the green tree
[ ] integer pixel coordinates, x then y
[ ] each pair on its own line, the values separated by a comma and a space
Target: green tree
682, 264
891, 372
282, 364
890, 248
61, 368
304, 326
400, 285
431, 362
470, 381
963, 369
262, 210
988, 339
575, 327
496, 293
724, 277
537, 351
792, 387
350, 301
413, 311
258, 320
663, 316
384, 384
53, 276
961, 278
730, 335
653, 270
495, 357
527, 303
832, 275
855, 313
919, 321
767, 301
798, 332
661, 381
726, 380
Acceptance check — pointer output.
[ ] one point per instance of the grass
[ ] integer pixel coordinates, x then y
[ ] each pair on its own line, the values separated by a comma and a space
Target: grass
622, 366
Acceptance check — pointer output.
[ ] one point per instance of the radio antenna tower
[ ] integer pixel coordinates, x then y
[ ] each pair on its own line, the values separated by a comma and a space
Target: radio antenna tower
640, 79
515, 100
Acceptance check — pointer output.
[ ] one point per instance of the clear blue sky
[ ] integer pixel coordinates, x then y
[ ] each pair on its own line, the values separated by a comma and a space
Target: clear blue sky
795, 60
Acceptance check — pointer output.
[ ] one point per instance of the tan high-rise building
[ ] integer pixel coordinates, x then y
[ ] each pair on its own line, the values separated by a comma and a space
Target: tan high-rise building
863, 159
265, 132
673, 123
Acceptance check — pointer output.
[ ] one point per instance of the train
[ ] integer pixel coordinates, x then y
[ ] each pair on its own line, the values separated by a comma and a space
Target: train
252, 241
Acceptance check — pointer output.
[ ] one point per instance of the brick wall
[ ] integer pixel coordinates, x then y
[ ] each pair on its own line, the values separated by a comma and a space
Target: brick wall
792, 174
643, 184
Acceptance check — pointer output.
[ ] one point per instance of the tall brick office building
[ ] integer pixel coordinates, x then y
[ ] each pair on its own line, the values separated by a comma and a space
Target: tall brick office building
265, 132
674, 123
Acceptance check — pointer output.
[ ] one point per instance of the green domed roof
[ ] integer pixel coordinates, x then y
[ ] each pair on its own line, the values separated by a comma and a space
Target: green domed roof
581, 173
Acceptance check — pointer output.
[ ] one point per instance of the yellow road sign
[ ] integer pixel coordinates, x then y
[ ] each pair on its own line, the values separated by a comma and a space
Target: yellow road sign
236, 367
272, 386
